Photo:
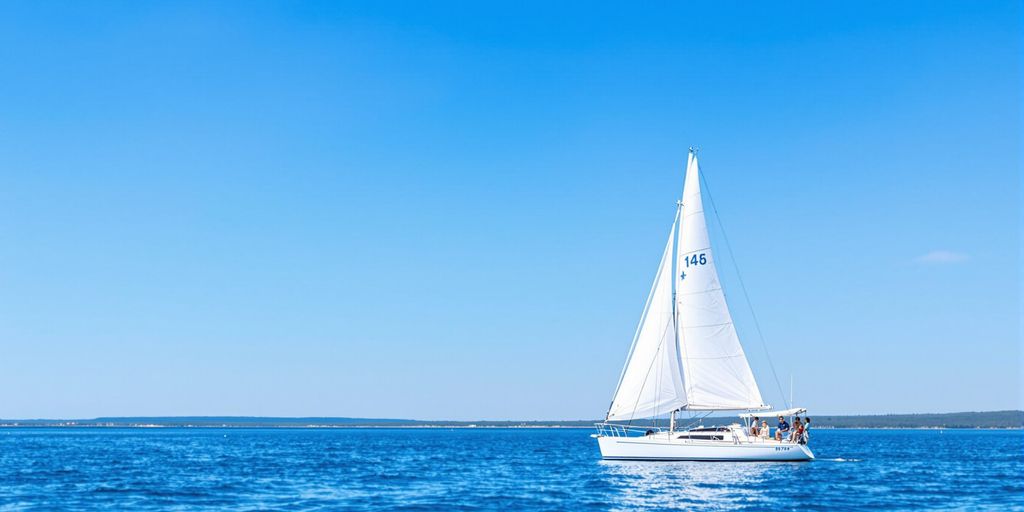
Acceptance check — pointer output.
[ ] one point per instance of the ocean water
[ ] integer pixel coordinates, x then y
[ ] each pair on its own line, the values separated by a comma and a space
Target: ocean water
490, 469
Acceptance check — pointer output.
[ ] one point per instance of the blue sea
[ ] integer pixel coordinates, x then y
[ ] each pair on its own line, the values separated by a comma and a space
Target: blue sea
490, 469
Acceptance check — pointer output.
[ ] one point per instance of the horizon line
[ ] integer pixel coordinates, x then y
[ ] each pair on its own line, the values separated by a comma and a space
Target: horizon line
359, 418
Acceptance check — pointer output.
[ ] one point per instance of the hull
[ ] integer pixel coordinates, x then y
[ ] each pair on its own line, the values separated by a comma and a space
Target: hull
662, 448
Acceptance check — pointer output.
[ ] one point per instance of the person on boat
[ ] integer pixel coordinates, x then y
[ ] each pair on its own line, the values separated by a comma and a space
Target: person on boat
782, 430
807, 431
755, 427
798, 431
765, 431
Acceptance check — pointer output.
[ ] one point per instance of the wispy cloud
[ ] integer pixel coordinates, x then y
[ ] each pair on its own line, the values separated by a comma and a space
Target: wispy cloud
942, 257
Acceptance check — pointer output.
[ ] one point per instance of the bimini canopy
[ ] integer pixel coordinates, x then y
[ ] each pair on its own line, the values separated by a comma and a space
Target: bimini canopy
769, 414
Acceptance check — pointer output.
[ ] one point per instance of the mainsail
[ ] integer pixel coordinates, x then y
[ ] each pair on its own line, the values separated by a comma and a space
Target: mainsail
685, 354
717, 373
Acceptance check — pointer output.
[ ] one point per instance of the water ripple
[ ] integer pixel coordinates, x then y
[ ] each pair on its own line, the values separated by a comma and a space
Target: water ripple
489, 469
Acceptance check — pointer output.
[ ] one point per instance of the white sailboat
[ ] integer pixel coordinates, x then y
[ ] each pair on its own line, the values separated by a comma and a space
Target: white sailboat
686, 356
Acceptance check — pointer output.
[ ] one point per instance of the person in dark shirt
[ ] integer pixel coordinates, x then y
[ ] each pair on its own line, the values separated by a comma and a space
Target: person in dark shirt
783, 429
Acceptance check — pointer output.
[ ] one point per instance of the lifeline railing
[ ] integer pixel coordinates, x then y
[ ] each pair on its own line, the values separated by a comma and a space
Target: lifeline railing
617, 430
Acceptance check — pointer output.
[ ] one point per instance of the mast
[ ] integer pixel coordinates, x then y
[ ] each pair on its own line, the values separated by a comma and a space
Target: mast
675, 302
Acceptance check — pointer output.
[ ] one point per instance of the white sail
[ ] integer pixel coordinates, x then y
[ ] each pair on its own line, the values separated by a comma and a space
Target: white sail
718, 376
651, 382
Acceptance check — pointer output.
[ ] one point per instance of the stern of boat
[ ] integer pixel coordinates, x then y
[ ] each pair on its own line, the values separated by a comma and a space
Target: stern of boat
807, 452
631, 443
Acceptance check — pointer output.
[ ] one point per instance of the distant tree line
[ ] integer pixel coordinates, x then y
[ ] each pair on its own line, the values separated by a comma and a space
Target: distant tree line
988, 419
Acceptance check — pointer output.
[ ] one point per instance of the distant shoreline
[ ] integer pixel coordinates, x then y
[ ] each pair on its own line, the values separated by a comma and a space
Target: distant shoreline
418, 427
987, 420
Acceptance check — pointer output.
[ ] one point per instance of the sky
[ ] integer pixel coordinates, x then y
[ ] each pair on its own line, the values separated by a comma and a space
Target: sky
455, 210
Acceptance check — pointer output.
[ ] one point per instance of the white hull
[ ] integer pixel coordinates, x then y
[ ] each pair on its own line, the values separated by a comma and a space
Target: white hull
661, 447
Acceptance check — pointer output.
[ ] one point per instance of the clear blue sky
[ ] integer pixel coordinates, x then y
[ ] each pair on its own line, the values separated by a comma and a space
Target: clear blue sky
455, 211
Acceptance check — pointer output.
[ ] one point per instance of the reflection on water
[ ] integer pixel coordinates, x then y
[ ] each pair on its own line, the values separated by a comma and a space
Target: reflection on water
684, 485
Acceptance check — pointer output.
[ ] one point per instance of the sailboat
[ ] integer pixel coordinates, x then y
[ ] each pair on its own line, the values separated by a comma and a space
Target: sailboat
686, 357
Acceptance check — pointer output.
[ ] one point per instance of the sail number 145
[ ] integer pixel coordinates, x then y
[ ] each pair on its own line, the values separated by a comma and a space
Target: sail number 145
696, 259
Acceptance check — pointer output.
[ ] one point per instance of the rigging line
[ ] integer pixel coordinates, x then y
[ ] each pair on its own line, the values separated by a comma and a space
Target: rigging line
696, 421
743, 287
636, 403
643, 317
676, 332
657, 383
681, 336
